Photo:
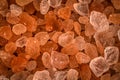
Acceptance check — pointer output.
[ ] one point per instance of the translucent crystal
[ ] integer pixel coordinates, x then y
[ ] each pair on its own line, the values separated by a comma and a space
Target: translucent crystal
46, 59
114, 18
19, 29
44, 6
108, 10
29, 8
42, 37
85, 1
31, 65
21, 42
83, 19
15, 9
73, 62
30, 77
32, 47
91, 50
10, 47
60, 75
3, 4
99, 66
116, 4
54, 3
65, 38
85, 72
72, 74
118, 33
116, 67
42, 75
99, 21
81, 8
64, 12
20, 75
105, 76
56, 36
3, 41
3, 77
36, 4
82, 58
23, 2
111, 54
59, 60
18, 64
77, 28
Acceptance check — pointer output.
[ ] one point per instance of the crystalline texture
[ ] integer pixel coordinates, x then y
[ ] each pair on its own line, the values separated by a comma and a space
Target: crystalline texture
99, 66
116, 4
54, 3
111, 54
72, 74
23, 2
60, 75
31, 65
118, 34
99, 21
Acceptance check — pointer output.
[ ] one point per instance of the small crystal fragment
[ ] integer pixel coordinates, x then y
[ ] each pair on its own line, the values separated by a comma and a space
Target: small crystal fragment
31, 65
116, 4
3, 4
105, 76
114, 18
111, 54
21, 42
3, 77
30, 77
115, 77
73, 62
44, 7
65, 38
108, 10
42, 37
77, 28
23, 2
83, 19
19, 29
46, 59
56, 36
82, 58
15, 9
99, 21
54, 3
72, 74
59, 60
85, 1
116, 67
42, 75
99, 66
81, 8
60, 75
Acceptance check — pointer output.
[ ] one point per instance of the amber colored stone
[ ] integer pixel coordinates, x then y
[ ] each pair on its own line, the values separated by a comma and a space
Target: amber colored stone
36, 4
77, 28
108, 10
18, 64
31, 65
116, 4
72, 74
5, 32
64, 13
85, 72
10, 47
114, 18
69, 3
91, 50
56, 36
73, 62
59, 60
83, 19
32, 47
29, 8
28, 21
23, 2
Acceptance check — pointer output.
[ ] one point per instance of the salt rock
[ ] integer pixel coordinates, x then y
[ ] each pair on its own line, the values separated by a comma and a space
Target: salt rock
108, 10
65, 38
42, 75
23, 2
118, 33
82, 58
91, 50
105, 76
64, 13
69, 3
56, 36
77, 28
99, 66
29, 21
18, 64
20, 75
3, 4
85, 1
60, 75
31, 65
73, 62
114, 18
83, 19
15, 9
111, 54
3, 78
54, 3
46, 60
3, 41
116, 67
59, 60
12, 19
5, 32
19, 29
85, 72
32, 47
115, 77
30, 77
81, 8
70, 49
42, 37
29, 8
10, 47
44, 6
99, 21
72, 74
36, 4
116, 4
49, 47
21, 42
